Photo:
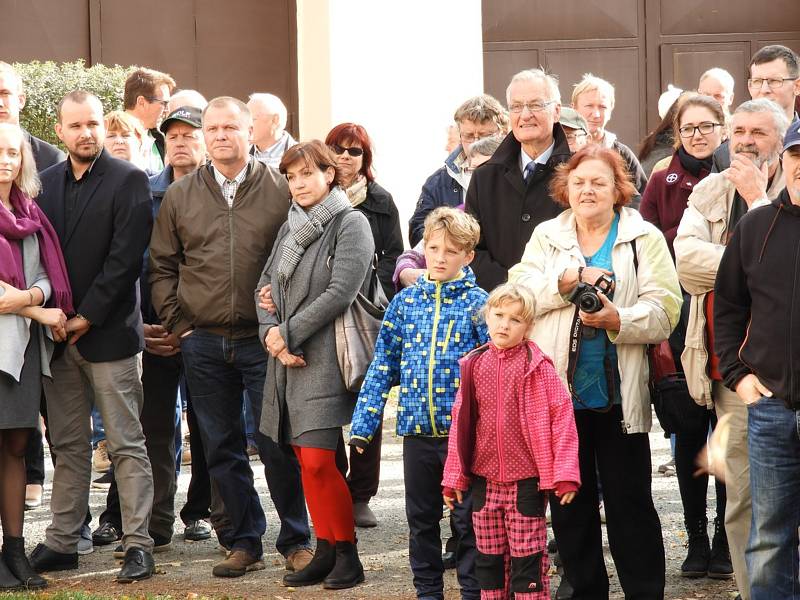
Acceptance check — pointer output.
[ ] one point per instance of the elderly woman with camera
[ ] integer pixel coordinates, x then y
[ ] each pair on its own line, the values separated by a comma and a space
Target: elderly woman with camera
605, 288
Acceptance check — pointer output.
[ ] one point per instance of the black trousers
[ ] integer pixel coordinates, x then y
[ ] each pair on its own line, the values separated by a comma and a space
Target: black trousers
198, 496
362, 471
634, 530
423, 467
694, 489
34, 458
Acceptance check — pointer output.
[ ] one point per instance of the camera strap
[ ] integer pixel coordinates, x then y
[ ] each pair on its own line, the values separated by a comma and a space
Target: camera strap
575, 336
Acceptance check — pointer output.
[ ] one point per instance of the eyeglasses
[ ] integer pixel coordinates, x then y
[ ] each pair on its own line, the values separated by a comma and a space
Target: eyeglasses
163, 103
705, 128
572, 137
351, 151
773, 83
474, 137
533, 107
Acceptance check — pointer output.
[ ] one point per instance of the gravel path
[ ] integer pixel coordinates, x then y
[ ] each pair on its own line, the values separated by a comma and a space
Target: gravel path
185, 570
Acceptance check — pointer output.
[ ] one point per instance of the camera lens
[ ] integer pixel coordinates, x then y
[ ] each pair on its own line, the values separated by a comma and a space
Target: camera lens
590, 303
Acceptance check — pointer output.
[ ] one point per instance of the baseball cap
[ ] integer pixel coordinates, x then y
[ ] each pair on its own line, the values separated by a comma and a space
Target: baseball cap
572, 119
792, 136
185, 114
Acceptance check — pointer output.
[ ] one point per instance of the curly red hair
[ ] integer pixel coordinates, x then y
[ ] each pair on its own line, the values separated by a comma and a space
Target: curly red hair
559, 189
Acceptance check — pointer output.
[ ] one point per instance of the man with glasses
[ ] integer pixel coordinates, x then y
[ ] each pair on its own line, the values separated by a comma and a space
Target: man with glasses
715, 206
478, 117
774, 75
146, 97
509, 194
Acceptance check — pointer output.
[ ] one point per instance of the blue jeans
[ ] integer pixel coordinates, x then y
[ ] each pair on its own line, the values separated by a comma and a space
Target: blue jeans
774, 445
218, 370
98, 431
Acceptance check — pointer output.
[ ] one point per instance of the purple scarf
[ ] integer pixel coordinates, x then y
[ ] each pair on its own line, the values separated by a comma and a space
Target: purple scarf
28, 219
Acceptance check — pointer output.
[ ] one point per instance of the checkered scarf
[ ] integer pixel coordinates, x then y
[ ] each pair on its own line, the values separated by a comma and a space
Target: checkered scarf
306, 226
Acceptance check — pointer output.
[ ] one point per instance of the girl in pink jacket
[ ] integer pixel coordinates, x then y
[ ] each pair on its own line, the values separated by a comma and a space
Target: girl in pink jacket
513, 441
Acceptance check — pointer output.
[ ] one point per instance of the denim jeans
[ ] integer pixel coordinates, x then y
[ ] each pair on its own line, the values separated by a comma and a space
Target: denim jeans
218, 370
774, 445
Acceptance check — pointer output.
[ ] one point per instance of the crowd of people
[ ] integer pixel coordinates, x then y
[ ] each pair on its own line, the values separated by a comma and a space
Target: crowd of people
193, 245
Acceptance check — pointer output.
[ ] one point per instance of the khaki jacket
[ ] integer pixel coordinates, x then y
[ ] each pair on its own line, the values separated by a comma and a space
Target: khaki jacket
206, 257
699, 244
648, 300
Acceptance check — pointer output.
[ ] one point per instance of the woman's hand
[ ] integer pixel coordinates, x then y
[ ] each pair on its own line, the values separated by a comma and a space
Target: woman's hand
274, 342
606, 318
451, 502
589, 275
291, 361
265, 299
54, 318
409, 276
13, 300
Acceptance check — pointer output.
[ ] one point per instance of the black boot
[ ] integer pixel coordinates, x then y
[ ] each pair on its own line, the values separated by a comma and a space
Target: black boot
348, 571
315, 571
719, 565
17, 563
8, 583
696, 563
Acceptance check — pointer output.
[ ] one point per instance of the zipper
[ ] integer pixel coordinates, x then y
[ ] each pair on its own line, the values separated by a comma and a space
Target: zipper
432, 358
499, 419
232, 269
447, 336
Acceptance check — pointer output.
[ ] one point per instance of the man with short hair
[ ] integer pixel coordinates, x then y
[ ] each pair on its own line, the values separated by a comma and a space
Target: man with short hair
270, 138
476, 118
510, 195
594, 99
718, 84
218, 224
755, 314
100, 209
146, 97
774, 75
575, 128
187, 97
12, 101
715, 207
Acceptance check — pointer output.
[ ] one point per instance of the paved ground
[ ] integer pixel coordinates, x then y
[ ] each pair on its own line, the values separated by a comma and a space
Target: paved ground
185, 571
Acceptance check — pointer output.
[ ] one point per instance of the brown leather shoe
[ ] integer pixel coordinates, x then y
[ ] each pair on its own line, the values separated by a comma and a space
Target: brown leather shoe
237, 564
298, 559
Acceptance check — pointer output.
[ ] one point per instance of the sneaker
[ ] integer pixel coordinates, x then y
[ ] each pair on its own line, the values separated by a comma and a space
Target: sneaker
252, 452
100, 460
104, 481
33, 496
160, 544
85, 545
186, 453
668, 468
196, 531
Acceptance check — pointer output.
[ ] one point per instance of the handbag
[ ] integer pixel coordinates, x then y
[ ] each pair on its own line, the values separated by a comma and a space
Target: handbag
357, 327
669, 393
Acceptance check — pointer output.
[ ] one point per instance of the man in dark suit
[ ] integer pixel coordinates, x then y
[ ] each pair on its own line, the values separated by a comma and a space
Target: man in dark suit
100, 208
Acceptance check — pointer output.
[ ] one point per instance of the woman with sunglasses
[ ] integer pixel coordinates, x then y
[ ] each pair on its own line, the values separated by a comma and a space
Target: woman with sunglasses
353, 148
699, 128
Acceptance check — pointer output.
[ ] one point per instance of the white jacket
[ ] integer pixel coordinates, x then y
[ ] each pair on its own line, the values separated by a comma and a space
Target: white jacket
648, 300
699, 244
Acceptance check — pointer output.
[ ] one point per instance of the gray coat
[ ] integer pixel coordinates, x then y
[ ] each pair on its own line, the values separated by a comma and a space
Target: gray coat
15, 330
314, 395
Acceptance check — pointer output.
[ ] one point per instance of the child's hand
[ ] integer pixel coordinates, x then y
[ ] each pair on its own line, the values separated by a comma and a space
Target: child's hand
567, 498
451, 502
359, 449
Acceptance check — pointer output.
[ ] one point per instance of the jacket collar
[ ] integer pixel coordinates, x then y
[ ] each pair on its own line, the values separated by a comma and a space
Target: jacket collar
561, 231
466, 281
375, 200
94, 176
507, 154
161, 181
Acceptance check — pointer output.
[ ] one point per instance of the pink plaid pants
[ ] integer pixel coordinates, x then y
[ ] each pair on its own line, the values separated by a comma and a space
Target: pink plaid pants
511, 536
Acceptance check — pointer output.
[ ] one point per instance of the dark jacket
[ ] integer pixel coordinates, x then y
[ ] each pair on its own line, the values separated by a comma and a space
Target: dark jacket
384, 221
666, 197
206, 257
756, 306
46, 155
440, 189
103, 251
634, 168
508, 208
158, 187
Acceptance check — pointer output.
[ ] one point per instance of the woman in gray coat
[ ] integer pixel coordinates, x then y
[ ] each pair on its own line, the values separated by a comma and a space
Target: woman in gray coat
32, 272
305, 398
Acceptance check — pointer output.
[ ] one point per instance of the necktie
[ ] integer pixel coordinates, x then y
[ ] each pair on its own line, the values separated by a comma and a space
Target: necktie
530, 169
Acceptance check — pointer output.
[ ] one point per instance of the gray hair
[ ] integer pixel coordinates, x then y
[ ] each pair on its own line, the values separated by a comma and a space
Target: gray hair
485, 146
188, 98
721, 75
273, 104
27, 179
550, 81
763, 105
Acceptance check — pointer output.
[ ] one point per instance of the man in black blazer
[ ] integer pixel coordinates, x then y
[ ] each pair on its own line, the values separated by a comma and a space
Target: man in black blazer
100, 208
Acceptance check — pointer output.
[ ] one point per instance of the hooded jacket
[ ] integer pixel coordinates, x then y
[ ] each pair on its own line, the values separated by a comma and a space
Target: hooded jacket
648, 299
699, 244
426, 329
756, 302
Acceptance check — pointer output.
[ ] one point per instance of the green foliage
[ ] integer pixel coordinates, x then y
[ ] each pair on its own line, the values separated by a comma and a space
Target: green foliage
47, 82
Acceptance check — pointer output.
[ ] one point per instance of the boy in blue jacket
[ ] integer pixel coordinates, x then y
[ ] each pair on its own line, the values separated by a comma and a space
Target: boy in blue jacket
427, 328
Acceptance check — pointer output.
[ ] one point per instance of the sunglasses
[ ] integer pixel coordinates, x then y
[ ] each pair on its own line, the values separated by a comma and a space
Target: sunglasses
351, 151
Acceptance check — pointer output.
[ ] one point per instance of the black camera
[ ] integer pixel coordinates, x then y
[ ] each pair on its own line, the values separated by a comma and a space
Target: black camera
585, 297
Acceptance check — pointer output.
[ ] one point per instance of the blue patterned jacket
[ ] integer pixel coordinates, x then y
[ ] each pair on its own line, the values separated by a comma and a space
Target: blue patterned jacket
426, 329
